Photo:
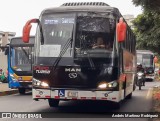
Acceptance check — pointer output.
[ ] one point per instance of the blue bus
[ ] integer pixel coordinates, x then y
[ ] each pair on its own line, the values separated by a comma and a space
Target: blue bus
20, 61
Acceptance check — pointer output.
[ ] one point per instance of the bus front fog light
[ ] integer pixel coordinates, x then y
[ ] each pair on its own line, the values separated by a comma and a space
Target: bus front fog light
109, 85
102, 85
13, 78
36, 82
44, 84
112, 84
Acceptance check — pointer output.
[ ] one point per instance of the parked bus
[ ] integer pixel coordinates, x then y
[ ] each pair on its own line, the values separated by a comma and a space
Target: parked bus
20, 61
68, 66
146, 57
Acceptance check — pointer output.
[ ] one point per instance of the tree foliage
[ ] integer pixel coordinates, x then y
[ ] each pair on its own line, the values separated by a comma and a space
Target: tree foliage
147, 25
148, 4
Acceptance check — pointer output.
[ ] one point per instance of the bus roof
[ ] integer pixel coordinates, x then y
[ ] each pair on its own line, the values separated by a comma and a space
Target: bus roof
83, 6
17, 41
145, 51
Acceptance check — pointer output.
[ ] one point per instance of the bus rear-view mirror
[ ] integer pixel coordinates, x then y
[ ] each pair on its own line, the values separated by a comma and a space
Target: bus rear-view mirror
121, 30
155, 59
27, 28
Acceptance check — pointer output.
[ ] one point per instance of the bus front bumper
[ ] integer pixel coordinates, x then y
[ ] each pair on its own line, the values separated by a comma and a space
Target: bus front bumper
63, 94
150, 77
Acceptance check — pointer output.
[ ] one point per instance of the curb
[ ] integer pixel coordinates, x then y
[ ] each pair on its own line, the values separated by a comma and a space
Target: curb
10, 92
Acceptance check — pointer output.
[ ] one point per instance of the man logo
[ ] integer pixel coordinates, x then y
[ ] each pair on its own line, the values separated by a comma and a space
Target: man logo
72, 75
72, 70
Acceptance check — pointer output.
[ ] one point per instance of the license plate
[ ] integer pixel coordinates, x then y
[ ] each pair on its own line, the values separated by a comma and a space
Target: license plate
72, 94
148, 76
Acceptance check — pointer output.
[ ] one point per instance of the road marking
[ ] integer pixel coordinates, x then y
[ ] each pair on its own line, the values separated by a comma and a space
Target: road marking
149, 93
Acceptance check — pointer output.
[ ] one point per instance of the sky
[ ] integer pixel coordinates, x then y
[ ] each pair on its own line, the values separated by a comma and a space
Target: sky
15, 13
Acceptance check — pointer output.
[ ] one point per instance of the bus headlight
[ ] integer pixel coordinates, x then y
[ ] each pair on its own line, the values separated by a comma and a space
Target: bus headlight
44, 84
13, 78
103, 85
36, 82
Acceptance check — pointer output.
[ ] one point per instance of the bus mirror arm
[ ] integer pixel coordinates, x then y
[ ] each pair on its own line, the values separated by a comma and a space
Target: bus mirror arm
27, 28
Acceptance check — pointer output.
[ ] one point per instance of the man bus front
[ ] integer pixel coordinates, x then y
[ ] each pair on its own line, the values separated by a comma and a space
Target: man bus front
67, 67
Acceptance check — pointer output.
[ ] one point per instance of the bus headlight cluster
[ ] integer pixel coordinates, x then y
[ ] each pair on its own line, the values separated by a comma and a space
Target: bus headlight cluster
103, 85
36, 82
13, 78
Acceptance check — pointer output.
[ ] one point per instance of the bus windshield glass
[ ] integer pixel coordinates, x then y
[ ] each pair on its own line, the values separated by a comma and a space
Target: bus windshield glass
94, 36
145, 59
148, 60
21, 58
57, 29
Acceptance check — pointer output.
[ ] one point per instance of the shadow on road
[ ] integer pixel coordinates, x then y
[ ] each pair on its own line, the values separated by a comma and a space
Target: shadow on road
84, 107
81, 109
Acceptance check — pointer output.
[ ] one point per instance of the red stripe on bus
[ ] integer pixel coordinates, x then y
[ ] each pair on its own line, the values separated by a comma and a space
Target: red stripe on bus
47, 96
56, 97
38, 96
83, 98
104, 98
93, 98
114, 98
74, 98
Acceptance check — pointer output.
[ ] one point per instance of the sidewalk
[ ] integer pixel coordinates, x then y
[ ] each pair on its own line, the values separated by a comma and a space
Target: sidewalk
5, 90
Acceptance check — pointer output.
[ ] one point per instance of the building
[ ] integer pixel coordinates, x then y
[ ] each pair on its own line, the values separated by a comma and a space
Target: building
1, 35
5, 38
129, 19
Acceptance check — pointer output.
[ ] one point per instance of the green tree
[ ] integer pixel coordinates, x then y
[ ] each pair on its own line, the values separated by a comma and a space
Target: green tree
148, 4
147, 25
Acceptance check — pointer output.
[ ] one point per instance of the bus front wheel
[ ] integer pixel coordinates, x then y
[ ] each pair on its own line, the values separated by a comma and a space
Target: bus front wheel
129, 96
22, 91
53, 102
117, 105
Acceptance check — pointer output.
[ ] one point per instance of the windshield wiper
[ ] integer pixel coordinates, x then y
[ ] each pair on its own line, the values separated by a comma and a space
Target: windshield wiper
88, 55
64, 49
27, 55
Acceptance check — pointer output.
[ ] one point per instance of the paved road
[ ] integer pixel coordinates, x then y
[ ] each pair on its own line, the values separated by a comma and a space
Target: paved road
141, 102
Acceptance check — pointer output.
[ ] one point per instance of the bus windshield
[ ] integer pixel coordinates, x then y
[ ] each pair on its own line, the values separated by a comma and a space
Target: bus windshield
145, 59
94, 36
57, 29
21, 59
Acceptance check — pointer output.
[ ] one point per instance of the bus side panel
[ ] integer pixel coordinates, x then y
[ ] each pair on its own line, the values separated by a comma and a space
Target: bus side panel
12, 83
129, 66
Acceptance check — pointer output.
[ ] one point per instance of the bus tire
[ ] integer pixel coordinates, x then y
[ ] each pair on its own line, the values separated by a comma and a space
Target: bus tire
129, 96
117, 105
53, 102
135, 83
22, 91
